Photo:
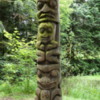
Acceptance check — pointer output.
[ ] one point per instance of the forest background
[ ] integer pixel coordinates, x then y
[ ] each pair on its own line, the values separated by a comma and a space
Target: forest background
80, 42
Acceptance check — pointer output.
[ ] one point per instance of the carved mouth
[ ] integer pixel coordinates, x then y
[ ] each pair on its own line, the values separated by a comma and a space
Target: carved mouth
43, 15
47, 85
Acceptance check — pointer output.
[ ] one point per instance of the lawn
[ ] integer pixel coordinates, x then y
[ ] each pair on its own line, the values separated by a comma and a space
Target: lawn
81, 88
73, 88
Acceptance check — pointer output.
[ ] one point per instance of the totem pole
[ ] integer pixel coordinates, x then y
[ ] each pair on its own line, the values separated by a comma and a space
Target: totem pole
48, 61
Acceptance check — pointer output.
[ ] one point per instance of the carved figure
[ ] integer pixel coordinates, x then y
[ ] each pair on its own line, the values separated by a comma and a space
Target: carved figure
48, 10
51, 56
48, 80
46, 42
48, 61
46, 36
45, 94
41, 56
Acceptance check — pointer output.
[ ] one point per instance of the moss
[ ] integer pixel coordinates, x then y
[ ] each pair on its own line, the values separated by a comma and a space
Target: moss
46, 30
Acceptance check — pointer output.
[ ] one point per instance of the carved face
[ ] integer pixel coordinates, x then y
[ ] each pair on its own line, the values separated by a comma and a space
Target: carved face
48, 80
47, 10
46, 32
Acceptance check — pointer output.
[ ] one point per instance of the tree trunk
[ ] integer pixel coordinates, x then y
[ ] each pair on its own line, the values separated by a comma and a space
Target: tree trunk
48, 62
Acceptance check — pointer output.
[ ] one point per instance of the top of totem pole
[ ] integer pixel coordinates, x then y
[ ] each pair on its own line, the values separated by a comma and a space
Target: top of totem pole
48, 10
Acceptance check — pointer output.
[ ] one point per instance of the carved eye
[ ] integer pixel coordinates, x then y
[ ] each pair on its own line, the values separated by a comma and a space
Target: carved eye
39, 5
54, 73
42, 30
49, 30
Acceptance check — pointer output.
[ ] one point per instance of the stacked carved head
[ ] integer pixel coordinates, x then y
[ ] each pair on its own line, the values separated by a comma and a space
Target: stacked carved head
48, 76
48, 80
46, 32
47, 10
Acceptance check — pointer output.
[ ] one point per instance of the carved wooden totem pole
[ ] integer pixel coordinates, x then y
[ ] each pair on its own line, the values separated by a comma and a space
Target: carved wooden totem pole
48, 62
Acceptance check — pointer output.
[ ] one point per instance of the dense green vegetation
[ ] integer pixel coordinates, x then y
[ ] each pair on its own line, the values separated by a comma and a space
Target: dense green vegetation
80, 38
80, 47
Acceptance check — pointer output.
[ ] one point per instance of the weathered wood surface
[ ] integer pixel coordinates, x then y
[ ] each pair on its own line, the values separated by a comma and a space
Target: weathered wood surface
48, 62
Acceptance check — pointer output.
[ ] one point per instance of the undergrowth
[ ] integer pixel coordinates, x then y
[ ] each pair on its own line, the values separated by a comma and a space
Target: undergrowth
82, 88
26, 87
73, 88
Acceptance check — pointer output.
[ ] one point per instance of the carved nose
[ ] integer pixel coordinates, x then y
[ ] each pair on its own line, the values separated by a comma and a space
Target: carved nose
45, 34
45, 8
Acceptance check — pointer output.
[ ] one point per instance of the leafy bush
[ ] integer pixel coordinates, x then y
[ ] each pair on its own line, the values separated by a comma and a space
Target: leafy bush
20, 58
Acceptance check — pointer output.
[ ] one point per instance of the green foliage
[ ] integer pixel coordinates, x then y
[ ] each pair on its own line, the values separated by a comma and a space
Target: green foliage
2, 46
80, 37
18, 63
86, 25
20, 14
65, 14
80, 47
13, 41
79, 34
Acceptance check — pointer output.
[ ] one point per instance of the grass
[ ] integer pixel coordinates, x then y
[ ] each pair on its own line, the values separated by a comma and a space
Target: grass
19, 91
73, 88
82, 88
70, 98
